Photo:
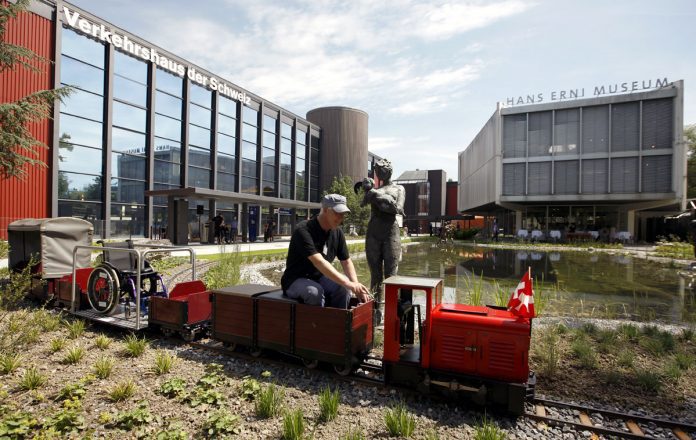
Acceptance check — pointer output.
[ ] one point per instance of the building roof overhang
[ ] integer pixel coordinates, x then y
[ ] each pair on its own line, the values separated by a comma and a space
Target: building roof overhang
229, 196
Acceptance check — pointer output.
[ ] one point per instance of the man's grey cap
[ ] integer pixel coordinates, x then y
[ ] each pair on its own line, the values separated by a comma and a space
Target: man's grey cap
336, 202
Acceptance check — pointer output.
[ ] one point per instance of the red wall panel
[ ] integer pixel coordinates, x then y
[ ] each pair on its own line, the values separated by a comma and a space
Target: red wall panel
28, 197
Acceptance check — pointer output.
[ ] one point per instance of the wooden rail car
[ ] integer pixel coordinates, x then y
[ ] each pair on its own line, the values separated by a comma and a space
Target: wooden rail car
261, 317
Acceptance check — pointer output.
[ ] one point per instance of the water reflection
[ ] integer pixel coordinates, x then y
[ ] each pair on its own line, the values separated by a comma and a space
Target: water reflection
590, 284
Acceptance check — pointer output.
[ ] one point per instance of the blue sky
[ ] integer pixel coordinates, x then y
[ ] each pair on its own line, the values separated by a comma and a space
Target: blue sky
429, 74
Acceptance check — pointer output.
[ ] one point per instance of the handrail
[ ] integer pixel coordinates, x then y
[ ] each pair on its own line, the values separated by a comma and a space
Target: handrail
139, 256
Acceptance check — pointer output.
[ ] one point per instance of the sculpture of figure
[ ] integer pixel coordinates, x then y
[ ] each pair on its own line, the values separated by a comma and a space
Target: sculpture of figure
383, 242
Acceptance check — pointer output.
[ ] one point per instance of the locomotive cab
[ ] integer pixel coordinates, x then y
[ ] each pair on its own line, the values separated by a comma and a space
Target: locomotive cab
478, 351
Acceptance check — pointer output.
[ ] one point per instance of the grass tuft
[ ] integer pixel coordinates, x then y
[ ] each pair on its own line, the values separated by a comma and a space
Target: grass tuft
269, 402
74, 355
649, 380
122, 391
293, 425
399, 422
103, 367
164, 362
32, 379
328, 404
57, 344
9, 362
102, 342
135, 346
488, 430
75, 328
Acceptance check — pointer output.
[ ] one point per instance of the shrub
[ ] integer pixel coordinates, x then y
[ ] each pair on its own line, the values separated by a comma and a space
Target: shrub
269, 402
684, 360
220, 424
138, 416
175, 431
103, 367
72, 391
122, 391
175, 387
250, 388
328, 404
293, 425
32, 379
9, 362
399, 422
163, 362
67, 420
227, 272
629, 331
134, 346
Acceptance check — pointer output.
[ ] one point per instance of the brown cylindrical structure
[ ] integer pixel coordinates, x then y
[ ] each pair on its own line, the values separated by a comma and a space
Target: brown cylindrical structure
343, 149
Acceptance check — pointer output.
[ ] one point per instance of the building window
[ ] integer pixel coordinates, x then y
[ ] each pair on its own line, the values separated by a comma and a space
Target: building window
624, 126
513, 179
566, 131
227, 144
594, 176
539, 134
624, 175
515, 135
657, 124
539, 178
595, 129
566, 177
301, 165
657, 174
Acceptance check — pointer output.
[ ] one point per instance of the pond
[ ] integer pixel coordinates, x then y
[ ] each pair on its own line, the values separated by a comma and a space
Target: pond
578, 284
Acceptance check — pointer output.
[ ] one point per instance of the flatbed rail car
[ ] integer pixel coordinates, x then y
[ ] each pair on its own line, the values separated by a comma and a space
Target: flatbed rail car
261, 317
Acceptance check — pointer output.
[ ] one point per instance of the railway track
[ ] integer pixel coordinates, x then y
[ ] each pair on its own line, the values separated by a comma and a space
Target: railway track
606, 422
601, 422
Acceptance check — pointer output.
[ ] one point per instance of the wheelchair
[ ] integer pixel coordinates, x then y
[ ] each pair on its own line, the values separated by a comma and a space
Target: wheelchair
113, 281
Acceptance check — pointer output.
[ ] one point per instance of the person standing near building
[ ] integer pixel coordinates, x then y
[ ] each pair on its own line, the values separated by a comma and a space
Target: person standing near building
218, 221
314, 244
233, 229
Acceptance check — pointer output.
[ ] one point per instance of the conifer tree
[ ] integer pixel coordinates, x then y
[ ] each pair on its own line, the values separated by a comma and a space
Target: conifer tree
18, 147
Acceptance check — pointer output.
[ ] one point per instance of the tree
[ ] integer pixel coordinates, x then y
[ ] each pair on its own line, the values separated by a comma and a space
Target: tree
690, 138
359, 215
18, 147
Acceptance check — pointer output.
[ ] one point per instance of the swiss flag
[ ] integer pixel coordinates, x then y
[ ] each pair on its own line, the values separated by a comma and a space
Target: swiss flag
522, 300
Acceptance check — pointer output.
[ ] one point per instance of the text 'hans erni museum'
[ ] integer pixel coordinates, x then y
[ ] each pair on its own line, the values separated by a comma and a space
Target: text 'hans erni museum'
603, 166
148, 139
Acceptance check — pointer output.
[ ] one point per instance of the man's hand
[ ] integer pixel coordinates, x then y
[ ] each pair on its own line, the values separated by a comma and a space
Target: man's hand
359, 290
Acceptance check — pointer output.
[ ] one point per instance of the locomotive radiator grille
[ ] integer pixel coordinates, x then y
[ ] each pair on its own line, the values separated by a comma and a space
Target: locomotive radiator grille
501, 355
455, 348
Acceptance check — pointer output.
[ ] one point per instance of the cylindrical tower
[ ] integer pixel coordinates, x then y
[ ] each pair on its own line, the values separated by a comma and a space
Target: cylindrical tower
343, 149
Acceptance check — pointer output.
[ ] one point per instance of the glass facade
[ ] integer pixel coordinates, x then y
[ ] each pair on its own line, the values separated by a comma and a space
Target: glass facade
623, 148
159, 123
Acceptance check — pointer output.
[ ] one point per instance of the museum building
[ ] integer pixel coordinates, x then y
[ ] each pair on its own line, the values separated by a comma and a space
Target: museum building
606, 167
148, 142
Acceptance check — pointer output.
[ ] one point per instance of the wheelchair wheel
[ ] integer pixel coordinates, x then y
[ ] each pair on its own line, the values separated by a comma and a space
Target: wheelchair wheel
103, 289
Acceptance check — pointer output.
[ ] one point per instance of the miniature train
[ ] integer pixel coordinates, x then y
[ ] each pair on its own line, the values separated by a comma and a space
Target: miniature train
478, 351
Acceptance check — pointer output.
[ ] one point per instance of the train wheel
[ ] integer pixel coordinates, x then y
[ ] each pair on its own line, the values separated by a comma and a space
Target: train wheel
310, 363
188, 335
103, 289
342, 370
256, 352
167, 332
230, 346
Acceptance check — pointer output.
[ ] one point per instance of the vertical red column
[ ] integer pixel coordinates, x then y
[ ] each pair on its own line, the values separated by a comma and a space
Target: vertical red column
391, 324
28, 197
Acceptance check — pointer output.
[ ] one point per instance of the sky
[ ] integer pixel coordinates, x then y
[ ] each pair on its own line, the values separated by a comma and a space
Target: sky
429, 74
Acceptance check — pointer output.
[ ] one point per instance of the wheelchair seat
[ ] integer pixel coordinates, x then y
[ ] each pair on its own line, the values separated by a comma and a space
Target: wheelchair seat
125, 262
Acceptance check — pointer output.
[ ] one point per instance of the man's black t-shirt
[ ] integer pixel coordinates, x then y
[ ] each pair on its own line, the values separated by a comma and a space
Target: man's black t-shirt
309, 239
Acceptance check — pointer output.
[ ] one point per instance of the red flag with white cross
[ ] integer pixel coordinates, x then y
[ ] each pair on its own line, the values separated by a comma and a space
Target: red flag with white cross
521, 301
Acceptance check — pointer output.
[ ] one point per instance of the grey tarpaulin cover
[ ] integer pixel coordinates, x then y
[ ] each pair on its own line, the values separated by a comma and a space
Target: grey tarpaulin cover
53, 239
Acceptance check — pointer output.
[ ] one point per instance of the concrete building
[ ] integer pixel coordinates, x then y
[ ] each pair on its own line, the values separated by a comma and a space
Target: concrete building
602, 166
